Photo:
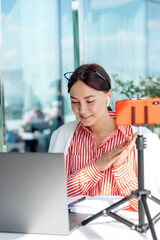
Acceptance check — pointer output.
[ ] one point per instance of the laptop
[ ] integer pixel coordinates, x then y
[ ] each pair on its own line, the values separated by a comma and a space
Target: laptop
33, 194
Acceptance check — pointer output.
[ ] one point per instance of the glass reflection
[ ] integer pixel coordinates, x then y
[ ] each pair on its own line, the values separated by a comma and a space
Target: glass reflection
1, 135
153, 38
31, 72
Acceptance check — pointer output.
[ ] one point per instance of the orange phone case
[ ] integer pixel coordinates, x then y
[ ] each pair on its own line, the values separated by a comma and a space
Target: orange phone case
138, 111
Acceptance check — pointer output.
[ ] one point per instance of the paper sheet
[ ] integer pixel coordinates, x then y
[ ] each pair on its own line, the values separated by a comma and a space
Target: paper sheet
95, 204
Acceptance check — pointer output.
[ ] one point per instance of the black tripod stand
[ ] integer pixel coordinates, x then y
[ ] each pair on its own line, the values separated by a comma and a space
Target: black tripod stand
141, 194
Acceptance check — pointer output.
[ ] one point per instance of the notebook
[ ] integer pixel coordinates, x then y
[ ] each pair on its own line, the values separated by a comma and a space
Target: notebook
33, 195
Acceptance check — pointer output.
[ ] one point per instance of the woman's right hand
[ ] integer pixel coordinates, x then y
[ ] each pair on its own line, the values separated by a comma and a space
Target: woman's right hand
116, 156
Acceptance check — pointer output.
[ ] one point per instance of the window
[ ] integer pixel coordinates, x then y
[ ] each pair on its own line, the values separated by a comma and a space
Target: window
37, 45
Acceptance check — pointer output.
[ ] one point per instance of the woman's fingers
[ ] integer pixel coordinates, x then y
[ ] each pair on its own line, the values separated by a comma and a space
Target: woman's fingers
124, 152
130, 142
117, 155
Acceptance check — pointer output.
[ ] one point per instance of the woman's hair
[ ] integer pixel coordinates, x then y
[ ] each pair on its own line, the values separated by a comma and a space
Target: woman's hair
92, 75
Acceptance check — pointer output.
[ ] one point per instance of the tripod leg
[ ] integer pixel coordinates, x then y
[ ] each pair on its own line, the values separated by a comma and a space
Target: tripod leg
141, 213
150, 222
154, 199
155, 219
119, 203
107, 210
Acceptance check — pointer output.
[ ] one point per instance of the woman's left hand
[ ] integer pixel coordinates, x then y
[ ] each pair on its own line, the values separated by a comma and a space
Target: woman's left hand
125, 151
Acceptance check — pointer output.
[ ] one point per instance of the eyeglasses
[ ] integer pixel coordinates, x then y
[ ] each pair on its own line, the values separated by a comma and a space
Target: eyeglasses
72, 76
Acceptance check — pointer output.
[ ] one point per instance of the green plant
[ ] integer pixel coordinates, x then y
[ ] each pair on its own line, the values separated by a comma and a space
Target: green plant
148, 87
151, 86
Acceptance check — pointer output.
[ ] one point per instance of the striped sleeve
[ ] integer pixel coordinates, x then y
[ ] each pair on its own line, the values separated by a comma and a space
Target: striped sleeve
81, 182
126, 179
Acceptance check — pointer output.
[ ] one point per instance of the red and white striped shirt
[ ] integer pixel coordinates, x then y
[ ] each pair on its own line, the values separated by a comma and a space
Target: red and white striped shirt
83, 178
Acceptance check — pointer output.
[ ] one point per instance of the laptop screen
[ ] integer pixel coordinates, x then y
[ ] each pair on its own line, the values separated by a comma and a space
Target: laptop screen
33, 193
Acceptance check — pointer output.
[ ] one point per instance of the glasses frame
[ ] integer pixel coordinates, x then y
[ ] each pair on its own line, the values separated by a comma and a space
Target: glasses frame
70, 81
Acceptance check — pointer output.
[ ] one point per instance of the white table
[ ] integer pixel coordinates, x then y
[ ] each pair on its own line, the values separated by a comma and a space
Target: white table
103, 228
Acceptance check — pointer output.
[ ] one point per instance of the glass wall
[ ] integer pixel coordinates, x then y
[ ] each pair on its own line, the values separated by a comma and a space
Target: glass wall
123, 36
67, 54
2, 118
1, 123
153, 38
37, 43
118, 28
1, 97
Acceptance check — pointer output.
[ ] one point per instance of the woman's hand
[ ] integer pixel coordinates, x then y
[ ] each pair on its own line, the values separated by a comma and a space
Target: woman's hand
117, 155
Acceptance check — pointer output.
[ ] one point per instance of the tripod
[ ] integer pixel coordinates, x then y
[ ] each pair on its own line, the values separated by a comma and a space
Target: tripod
141, 194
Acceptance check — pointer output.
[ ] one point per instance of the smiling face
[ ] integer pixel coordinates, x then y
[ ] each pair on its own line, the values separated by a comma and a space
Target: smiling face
88, 104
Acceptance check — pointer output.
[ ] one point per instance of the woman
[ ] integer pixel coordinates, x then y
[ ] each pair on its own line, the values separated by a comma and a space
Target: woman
100, 156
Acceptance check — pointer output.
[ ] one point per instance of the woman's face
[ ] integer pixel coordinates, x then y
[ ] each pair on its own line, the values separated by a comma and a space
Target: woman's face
88, 104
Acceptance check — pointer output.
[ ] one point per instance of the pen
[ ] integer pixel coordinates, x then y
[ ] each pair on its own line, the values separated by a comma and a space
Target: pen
77, 201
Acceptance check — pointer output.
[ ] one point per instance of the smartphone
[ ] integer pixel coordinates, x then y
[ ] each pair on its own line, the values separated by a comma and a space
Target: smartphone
138, 111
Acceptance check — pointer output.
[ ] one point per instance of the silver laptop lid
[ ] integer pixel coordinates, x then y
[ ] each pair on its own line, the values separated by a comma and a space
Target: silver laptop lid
33, 197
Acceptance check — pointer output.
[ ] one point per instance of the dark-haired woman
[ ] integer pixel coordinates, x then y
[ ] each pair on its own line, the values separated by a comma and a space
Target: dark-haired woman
100, 156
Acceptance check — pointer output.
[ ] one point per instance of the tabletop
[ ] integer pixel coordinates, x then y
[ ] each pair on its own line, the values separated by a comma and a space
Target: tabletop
101, 228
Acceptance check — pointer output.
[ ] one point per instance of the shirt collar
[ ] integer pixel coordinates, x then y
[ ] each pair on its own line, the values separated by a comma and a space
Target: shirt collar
121, 128
80, 125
